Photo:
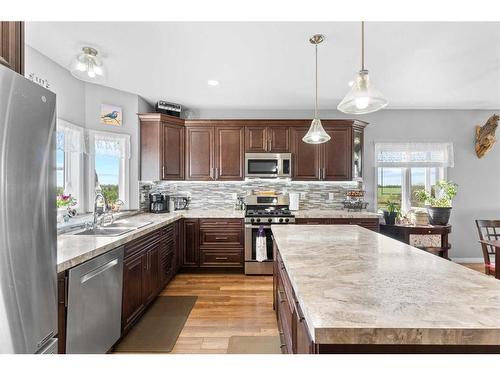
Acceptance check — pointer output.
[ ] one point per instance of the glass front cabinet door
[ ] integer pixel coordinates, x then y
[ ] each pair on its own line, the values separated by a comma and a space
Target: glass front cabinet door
357, 154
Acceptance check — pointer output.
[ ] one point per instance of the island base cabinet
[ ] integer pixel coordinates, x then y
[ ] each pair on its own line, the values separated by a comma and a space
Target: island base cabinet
293, 330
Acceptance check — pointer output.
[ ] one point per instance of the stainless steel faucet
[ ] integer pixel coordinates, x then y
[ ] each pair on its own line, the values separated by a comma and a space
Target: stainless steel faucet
97, 212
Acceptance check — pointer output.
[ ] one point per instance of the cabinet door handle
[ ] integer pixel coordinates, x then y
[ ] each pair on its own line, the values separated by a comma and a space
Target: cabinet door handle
270, 143
319, 174
220, 258
212, 173
324, 174
221, 238
163, 171
216, 173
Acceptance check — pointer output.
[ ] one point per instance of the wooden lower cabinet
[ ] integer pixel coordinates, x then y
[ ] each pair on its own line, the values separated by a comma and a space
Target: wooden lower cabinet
191, 251
133, 303
368, 223
213, 243
147, 269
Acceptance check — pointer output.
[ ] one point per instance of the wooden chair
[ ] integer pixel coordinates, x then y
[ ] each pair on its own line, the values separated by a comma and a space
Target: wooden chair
488, 230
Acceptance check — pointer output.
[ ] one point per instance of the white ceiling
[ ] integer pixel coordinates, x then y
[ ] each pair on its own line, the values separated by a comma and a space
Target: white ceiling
271, 65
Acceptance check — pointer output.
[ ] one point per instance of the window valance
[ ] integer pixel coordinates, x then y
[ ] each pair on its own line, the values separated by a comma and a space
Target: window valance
107, 143
70, 137
406, 155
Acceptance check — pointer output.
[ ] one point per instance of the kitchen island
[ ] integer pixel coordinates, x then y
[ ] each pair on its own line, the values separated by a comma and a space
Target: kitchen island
346, 289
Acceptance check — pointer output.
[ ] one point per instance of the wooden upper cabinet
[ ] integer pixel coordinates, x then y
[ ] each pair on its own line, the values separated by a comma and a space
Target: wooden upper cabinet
230, 149
336, 154
12, 45
306, 157
267, 138
279, 138
162, 147
200, 153
256, 139
173, 152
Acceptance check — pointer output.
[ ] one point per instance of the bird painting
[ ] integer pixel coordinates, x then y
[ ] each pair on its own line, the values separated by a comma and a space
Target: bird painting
485, 136
111, 115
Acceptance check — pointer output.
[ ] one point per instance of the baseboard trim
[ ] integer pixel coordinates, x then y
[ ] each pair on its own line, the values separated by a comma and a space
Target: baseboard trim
468, 260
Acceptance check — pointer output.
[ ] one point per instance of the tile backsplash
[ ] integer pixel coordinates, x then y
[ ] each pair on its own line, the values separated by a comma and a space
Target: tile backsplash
217, 194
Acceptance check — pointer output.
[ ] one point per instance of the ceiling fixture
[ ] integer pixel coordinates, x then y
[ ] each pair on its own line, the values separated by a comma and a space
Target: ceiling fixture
87, 66
363, 96
316, 133
213, 82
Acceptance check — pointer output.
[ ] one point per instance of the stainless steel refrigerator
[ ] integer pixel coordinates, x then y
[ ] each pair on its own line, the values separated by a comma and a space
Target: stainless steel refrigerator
28, 233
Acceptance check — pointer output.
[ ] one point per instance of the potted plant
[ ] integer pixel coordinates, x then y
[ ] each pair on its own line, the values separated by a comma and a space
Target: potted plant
391, 213
64, 204
438, 202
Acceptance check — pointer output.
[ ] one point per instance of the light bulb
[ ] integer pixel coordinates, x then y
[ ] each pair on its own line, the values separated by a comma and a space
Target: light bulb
362, 102
315, 137
98, 70
90, 69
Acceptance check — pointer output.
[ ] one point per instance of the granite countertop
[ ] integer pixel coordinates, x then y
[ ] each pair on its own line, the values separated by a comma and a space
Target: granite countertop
73, 250
356, 286
334, 214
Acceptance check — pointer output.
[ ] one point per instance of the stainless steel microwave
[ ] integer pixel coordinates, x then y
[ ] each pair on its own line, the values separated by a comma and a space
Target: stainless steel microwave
268, 165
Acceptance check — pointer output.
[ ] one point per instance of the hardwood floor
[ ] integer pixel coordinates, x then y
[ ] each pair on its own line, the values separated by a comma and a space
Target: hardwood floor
474, 266
228, 305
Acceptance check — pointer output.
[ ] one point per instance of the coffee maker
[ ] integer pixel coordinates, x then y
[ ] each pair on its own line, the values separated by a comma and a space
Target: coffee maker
159, 203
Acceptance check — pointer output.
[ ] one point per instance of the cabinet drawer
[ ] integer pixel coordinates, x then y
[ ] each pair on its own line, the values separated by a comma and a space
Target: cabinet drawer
221, 224
142, 243
232, 258
313, 221
220, 238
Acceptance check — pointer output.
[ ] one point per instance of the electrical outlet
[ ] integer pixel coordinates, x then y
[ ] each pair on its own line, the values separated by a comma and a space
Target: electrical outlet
303, 195
331, 196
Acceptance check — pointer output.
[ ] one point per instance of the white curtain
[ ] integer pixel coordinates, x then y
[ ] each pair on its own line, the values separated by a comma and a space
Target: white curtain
407, 155
70, 137
107, 143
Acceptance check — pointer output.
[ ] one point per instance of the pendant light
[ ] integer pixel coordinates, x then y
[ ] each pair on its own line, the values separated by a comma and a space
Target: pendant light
363, 96
86, 66
316, 133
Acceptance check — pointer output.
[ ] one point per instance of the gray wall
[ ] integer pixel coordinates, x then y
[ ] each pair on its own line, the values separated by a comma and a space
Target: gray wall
80, 103
71, 105
478, 179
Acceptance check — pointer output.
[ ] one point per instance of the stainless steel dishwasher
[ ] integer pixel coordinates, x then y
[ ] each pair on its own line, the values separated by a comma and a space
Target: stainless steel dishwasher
95, 304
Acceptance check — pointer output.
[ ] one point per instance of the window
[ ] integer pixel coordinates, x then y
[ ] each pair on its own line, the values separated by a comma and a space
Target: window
60, 162
69, 160
403, 168
109, 166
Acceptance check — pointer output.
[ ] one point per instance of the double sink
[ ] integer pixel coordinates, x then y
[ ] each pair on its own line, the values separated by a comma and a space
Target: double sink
118, 228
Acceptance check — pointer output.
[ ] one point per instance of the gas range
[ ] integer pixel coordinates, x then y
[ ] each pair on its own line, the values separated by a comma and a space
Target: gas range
270, 215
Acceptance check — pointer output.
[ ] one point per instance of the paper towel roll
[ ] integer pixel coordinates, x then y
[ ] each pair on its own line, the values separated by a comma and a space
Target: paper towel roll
294, 201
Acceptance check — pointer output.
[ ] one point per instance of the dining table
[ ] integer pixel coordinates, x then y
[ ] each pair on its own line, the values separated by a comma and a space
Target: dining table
496, 245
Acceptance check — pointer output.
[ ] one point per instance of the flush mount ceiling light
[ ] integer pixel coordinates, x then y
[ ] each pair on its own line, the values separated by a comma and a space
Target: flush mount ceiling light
87, 66
213, 82
316, 133
363, 96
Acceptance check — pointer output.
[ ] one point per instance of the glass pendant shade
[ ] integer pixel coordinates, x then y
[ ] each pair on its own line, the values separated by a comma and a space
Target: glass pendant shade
363, 97
86, 66
316, 134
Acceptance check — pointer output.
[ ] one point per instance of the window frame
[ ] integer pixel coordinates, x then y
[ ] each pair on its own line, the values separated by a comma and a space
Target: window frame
73, 166
406, 184
124, 171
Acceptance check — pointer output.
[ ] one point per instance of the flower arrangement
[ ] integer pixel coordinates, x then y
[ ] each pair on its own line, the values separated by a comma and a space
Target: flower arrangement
65, 201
